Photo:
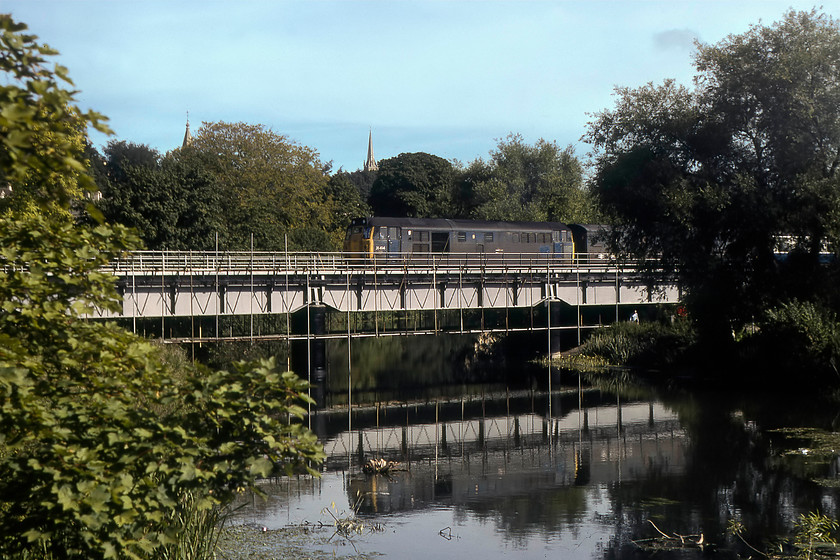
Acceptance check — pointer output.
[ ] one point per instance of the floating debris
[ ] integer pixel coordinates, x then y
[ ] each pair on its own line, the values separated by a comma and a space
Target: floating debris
672, 542
380, 466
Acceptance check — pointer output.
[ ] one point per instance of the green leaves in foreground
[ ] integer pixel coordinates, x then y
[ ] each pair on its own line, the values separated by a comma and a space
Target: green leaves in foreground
103, 448
100, 441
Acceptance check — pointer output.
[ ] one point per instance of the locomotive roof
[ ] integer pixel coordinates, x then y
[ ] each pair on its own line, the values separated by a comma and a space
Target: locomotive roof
446, 224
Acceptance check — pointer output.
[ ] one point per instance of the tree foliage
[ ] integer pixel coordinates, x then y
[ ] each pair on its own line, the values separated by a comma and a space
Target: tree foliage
346, 192
524, 182
706, 179
40, 129
271, 186
100, 443
172, 202
417, 185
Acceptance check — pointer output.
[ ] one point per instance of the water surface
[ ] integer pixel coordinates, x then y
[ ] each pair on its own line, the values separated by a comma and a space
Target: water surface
501, 473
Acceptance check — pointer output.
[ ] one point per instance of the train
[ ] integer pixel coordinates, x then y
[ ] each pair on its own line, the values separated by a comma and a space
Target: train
381, 237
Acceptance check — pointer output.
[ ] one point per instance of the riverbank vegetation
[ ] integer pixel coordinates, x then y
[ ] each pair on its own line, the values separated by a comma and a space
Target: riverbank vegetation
797, 338
649, 345
108, 448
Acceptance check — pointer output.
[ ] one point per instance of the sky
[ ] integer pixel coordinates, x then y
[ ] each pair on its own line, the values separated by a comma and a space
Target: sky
450, 78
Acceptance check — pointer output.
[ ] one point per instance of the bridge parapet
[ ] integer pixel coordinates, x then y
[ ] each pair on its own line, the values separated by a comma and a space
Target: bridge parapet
207, 262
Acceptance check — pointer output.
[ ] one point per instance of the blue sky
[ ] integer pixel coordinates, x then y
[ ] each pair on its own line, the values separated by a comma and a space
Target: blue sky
449, 78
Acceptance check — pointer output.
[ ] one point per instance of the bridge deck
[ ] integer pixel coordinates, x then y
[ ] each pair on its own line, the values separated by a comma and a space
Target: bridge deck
163, 284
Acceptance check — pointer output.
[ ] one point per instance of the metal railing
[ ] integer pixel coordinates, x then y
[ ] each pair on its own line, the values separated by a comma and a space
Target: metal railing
211, 262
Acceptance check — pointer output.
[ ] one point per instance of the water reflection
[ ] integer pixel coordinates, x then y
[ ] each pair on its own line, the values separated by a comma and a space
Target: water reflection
505, 478
495, 461
496, 469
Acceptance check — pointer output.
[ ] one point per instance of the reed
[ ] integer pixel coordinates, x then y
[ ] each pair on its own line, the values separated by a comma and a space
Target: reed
196, 531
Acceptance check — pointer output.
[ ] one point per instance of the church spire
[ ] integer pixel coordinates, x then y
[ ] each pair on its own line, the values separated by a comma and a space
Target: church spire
370, 162
187, 136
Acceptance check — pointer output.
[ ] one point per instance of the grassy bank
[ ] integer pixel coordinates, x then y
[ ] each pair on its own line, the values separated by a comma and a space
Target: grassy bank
634, 345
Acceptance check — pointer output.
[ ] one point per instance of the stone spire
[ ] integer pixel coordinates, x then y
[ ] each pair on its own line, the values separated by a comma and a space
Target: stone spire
370, 162
187, 136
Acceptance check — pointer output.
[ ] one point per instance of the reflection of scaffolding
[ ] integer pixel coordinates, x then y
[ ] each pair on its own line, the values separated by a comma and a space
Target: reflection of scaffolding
461, 437
475, 460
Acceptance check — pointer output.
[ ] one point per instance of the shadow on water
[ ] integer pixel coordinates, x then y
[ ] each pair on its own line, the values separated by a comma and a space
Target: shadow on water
486, 463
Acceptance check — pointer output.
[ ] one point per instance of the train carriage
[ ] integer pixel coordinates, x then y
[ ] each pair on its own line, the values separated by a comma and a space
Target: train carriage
379, 237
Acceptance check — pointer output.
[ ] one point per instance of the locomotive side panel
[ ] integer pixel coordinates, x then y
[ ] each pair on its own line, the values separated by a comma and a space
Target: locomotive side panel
413, 237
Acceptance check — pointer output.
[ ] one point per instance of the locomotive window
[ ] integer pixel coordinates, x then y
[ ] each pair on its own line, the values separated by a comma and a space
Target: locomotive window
381, 233
424, 235
393, 233
488, 237
462, 236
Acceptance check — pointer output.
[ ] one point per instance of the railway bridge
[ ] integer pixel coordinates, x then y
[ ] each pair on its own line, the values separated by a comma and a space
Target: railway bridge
166, 285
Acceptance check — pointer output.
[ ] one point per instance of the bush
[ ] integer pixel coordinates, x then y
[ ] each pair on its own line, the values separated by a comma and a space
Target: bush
640, 344
801, 336
102, 439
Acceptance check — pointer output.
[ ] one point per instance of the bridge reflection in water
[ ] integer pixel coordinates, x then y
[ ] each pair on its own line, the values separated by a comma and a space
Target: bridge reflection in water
496, 455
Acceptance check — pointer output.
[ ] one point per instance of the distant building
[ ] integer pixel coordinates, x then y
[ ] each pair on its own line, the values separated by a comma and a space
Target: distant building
370, 162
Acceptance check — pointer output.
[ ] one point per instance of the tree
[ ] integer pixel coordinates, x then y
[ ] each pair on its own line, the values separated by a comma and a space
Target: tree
347, 200
362, 180
271, 186
522, 182
172, 202
39, 128
417, 185
706, 179
102, 448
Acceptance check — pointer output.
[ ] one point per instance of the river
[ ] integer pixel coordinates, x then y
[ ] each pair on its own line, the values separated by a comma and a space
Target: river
498, 469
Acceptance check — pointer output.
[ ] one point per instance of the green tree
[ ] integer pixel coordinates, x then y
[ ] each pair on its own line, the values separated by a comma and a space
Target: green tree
522, 182
271, 186
101, 445
39, 130
361, 179
172, 202
705, 179
417, 185
348, 201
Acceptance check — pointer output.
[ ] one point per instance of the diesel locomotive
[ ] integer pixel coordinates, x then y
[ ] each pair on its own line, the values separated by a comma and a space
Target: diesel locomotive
418, 237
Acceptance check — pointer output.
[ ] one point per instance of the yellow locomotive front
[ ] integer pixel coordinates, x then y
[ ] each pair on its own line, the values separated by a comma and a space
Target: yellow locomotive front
358, 242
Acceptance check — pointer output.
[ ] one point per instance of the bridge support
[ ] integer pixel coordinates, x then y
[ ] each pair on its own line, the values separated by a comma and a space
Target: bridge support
318, 351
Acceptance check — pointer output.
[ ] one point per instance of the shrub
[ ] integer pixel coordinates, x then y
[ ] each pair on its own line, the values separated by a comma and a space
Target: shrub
802, 336
640, 344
